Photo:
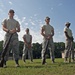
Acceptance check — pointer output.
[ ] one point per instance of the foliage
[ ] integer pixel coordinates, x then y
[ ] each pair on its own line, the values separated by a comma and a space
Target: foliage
59, 46
37, 50
1, 46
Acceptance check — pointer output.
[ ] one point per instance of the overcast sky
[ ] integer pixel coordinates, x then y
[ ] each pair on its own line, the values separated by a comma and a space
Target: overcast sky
31, 14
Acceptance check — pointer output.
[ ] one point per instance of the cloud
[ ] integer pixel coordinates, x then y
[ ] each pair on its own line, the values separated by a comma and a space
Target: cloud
52, 8
1, 4
1, 10
35, 15
26, 23
59, 36
32, 23
60, 4
23, 19
2, 33
10, 3
33, 31
35, 36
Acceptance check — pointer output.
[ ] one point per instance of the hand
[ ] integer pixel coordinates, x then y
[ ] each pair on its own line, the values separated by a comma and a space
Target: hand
29, 46
71, 38
48, 37
12, 31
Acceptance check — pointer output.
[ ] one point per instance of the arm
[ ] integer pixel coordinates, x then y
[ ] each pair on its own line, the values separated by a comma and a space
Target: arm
31, 40
17, 29
4, 28
4, 23
29, 45
11, 31
66, 34
42, 32
52, 34
25, 40
70, 38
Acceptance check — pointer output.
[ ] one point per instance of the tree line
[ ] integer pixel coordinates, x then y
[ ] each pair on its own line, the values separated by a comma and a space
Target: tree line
59, 47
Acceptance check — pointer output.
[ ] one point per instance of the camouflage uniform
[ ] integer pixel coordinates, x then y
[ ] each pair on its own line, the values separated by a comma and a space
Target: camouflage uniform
14, 43
26, 49
48, 29
68, 44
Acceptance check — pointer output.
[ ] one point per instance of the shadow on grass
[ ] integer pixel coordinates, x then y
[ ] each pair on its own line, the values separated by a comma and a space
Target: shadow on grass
39, 65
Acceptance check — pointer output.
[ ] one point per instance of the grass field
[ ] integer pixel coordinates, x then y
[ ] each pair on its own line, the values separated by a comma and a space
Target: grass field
36, 68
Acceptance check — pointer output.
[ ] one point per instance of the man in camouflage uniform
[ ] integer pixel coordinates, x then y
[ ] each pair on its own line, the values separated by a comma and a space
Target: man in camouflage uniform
47, 32
27, 46
11, 26
69, 49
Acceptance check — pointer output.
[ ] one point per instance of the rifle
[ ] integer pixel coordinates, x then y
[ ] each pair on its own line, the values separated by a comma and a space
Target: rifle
5, 51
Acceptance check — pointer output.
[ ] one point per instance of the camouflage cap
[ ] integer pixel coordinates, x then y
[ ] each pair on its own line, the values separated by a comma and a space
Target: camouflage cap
67, 23
47, 18
11, 11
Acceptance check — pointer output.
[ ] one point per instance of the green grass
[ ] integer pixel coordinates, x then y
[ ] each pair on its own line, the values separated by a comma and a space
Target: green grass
35, 68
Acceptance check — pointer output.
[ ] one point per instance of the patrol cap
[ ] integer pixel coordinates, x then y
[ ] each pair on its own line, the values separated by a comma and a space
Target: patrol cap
67, 23
11, 11
47, 18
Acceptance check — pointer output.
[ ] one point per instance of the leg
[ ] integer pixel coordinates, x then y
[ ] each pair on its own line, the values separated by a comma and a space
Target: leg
72, 55
72, 52
67, 50
51, 48
30, 55
66, 55
24, 53
15, 49
8, 49
43, 53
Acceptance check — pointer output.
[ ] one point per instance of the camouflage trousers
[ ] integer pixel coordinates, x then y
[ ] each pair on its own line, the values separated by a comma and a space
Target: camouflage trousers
50, 47
69, 48
30, 53
13, 45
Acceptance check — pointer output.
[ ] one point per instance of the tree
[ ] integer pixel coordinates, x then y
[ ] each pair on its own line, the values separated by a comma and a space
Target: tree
36, 50
59, 46
1, 46
21, 44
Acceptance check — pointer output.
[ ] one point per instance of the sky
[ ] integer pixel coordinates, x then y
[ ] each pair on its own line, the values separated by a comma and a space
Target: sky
31, 14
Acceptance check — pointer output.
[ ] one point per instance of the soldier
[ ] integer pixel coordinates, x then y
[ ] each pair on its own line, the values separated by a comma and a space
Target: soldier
69, 49
47, 32
27, 46
11, 26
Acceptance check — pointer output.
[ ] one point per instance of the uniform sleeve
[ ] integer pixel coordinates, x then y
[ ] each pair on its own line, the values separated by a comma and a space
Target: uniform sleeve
31, 36
4, 22
24, 36
65, 29
52, 28
17, 25
43, 27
